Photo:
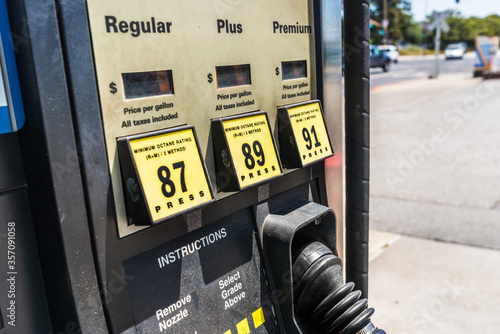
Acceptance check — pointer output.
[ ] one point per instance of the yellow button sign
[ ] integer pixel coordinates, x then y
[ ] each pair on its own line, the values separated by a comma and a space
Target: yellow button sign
252, 149
171, 172
310, 133
242, 327
258, 317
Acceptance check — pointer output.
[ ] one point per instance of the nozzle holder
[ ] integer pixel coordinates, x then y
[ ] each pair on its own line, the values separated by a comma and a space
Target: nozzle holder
284, 232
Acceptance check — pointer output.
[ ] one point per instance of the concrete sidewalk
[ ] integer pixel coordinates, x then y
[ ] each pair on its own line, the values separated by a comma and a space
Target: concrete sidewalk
425, 286
435, 192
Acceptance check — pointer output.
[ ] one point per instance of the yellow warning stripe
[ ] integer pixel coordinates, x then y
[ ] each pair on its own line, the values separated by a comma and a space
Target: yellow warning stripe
258, 317
244, 328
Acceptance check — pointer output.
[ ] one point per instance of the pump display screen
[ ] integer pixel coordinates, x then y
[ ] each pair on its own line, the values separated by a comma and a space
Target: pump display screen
231, 76
144, 84
294, 69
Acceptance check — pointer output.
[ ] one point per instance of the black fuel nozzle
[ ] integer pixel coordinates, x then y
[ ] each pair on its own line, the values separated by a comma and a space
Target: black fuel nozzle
322, 302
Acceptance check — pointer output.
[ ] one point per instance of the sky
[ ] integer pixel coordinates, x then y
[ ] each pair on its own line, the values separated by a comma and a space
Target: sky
479, 8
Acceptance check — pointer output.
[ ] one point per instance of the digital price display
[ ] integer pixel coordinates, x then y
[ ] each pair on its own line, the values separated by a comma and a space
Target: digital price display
232, 76
247, 150
303, 135
144, 84
163, 174
294, 69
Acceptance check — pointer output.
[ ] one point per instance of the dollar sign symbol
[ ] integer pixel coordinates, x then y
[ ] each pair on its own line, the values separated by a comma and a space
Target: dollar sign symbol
277, 71
112, 87
210, 78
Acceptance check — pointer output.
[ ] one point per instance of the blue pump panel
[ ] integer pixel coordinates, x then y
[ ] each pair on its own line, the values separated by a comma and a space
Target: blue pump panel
11, 107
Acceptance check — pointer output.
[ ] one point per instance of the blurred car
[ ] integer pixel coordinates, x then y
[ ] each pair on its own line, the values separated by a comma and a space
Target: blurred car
454, 51
379, 59
343, 63
465, 46
391, 50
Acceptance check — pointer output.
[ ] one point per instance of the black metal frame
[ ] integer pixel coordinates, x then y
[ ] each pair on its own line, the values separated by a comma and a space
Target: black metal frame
53, 171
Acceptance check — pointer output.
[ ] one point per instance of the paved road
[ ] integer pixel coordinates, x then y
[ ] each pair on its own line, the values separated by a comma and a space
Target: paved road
413, 67
435, 192
435, 157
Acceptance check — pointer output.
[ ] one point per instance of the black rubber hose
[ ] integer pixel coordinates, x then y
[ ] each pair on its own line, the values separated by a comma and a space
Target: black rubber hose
357, 146
322, 302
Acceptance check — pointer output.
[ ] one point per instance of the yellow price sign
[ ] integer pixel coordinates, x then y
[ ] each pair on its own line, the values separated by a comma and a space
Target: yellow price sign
310, 132
171, 172
252, 149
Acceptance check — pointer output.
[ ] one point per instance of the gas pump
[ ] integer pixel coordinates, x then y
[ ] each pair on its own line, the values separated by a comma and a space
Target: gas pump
183, 163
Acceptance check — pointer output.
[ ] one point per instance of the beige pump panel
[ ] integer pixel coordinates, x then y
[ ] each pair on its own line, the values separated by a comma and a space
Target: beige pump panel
174, 63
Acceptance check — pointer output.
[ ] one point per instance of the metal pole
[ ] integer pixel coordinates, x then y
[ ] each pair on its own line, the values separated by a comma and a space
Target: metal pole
438, 44
357, 144
386, 23
425, 24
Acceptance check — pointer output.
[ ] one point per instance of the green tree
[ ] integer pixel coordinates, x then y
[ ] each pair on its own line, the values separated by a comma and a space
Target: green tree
492, 25
400, 20
459, 30
413, 33
467, 29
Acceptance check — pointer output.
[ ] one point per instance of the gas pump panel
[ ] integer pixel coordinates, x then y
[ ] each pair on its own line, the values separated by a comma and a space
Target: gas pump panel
189, 99
165, 64
192, 138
